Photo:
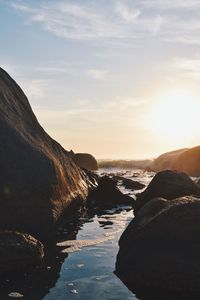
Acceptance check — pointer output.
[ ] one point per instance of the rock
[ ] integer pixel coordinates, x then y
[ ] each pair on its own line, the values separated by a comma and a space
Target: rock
108, 195
183, 160
166, 160
169, 185
160, 247
189, 162
132, 184
15, 295
38, 178
18, 251
85, 161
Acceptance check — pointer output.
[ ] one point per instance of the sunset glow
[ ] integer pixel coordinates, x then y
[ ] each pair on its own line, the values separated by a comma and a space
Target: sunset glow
175, 116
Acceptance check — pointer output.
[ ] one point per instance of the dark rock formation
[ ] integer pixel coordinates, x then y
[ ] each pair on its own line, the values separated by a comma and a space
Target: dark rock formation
85, 161
38, 178
132, 184
19, 251
183, 160
166, 160
160, 247
189, 162
107, 194
169, 185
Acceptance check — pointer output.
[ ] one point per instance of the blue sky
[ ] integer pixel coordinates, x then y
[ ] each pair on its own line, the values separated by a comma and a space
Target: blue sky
94, 70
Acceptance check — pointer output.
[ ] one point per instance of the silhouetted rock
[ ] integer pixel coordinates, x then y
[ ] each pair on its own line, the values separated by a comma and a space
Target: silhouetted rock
132, 184
160, 247
189, 162
108, 195
85, 161
38, 178
184, 160
169, 185
166, 160
19, 251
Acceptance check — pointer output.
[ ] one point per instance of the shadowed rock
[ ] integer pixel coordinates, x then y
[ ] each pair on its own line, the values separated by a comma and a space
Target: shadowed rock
85, 161
107, 194
132, 184
183, 160
166, 160
169, 185
160, 247
19, 251
38, 178
189, 162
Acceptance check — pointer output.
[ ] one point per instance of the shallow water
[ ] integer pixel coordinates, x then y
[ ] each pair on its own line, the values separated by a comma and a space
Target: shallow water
86, 271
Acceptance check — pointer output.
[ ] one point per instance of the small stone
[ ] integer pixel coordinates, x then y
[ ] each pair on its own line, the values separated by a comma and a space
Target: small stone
74, 291
70, 283
15, 295
80, 265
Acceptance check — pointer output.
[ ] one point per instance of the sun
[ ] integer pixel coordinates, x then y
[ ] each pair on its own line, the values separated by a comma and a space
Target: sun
175, 116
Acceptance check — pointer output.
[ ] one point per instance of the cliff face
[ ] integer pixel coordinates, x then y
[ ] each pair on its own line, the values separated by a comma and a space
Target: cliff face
38, 178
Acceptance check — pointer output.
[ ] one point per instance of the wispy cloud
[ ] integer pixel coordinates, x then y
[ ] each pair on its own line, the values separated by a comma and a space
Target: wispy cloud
126, 12
98, 74
120, 20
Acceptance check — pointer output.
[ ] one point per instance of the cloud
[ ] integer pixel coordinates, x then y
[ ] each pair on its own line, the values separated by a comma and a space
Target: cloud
188, 67
85, 22
100, 75
120, 20
126, 12
169, 4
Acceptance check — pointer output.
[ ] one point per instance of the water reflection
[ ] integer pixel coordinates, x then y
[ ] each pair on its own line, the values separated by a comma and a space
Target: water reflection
87, 274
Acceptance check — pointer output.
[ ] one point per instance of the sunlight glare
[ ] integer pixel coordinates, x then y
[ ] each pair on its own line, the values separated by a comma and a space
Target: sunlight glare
175, 116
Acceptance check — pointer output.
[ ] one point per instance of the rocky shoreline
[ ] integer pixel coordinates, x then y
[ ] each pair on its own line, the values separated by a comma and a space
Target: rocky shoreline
159, 250
43, 185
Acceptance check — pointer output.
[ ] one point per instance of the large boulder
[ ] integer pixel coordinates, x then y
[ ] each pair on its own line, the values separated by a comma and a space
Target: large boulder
132, 184
166, 160
183, 160
108, 195
169, 185
18, 251
160, 248
189, 162
38, 178
85, 161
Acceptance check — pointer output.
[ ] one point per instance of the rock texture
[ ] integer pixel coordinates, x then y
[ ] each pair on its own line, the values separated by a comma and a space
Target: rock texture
38, 178
169, 185
85, 161
184, 160
108, 195
160, 247
19, 251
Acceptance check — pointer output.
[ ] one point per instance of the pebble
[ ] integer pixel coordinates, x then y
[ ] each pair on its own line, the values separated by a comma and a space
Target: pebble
70, 283
74, 291
15, 295
80, 265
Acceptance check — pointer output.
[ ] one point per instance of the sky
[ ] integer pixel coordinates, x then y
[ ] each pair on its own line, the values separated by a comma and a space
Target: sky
96, 72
